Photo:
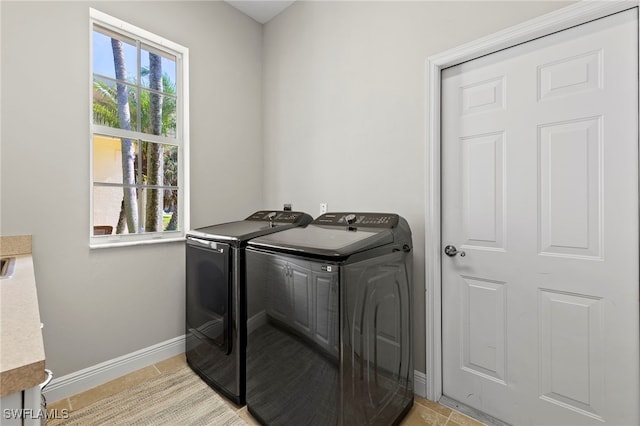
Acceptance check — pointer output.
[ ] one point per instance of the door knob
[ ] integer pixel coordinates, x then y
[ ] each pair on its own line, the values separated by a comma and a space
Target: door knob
452, 251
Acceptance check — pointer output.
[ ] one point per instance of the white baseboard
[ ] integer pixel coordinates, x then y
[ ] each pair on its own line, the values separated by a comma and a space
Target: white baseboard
419, 383
80, 381
258, 320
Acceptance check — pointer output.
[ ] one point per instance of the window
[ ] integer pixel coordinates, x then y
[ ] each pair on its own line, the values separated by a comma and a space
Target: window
139, 135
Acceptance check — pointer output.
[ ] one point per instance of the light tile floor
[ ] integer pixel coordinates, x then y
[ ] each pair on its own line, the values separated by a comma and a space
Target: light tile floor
424, 412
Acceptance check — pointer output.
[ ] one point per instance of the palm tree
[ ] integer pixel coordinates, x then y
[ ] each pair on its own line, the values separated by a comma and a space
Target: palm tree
130, 204
155, 151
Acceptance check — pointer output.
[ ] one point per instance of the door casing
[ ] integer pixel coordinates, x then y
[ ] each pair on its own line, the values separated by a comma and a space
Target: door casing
570, 16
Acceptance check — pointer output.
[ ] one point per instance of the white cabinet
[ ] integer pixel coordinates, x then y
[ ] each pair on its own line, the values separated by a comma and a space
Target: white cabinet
11, 406
303, 296
22, 408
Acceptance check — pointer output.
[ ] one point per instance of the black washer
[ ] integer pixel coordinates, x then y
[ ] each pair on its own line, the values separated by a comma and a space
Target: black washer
329, 337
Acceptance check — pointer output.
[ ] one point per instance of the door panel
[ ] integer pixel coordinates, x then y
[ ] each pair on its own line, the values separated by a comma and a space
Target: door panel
570, 187
571, 351
570, 75
540, 192
482, 190
484, 328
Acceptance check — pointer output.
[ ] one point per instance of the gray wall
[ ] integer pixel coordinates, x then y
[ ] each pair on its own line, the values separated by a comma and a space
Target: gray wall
102, 304
345, 105
339, 87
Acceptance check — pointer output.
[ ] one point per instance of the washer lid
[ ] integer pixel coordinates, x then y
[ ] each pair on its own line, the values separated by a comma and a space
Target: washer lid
259, 223
323, 241
242, 230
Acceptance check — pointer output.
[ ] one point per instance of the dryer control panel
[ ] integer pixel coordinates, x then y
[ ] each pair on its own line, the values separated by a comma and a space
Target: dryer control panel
365, 220
278, 216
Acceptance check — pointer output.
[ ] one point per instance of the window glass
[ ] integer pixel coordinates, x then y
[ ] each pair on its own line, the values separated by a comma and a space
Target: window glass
158, 113
106, 109
105, 65
107, 159
167, 65
108, 211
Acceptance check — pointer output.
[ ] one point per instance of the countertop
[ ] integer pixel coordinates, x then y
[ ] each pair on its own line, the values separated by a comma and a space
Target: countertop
22, 359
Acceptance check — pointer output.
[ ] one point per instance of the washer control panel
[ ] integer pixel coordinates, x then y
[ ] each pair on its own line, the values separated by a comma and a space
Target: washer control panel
276, 216
365, 220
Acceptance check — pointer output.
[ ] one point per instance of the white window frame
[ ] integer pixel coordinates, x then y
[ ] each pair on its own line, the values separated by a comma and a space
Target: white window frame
182, 132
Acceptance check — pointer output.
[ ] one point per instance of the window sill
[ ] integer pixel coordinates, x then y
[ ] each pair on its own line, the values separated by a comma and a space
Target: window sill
110, 242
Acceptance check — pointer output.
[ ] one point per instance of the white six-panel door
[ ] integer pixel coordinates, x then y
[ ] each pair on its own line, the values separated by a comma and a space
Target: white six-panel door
540, 191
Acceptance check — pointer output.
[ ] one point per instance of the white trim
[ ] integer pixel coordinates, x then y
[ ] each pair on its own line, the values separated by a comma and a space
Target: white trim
570, 16
80, 381
419, 383
185, 171
433, 328
131, 30
134, 134
124, 241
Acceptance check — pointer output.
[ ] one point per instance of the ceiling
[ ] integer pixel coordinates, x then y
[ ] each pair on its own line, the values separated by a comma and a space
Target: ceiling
261, 10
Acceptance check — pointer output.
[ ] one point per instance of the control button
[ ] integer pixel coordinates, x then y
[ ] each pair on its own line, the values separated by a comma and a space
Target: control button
350, 218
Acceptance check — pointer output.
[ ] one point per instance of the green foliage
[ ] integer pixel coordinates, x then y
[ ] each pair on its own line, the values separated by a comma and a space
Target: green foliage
105, 105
